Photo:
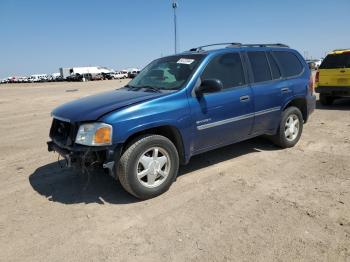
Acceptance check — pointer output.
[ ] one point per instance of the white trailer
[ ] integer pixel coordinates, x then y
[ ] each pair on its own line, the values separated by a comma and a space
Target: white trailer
84, 70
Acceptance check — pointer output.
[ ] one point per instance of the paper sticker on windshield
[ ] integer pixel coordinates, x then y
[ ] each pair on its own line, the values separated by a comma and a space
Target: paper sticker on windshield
185, 61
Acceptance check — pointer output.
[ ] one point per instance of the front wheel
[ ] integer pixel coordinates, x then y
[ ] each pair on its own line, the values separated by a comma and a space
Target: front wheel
148, 166
290, 128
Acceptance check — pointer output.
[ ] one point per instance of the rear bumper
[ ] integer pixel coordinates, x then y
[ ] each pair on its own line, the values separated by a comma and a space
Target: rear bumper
333, 90
311, 105
85, 157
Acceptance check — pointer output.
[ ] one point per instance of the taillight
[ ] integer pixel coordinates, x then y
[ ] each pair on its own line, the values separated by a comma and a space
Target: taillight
311, 85
317, 77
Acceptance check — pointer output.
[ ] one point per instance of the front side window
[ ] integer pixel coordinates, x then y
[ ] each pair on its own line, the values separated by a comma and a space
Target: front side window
289, 62
168, 73
260, 66
227, 68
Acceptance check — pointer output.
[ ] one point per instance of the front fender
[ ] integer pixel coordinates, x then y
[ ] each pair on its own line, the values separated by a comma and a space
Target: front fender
171, 110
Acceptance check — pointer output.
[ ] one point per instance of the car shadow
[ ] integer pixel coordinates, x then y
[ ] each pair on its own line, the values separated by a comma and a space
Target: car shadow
338, 104
69, 186
226, 153
66, 186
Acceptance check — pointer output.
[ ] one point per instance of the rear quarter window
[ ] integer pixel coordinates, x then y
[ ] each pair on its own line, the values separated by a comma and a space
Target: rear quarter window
289, 63
334, 61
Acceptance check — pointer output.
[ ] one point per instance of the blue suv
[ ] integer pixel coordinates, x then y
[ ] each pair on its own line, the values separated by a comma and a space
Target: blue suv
183, 105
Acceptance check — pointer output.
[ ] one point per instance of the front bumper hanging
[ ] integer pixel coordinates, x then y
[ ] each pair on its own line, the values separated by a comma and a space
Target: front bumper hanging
86, 157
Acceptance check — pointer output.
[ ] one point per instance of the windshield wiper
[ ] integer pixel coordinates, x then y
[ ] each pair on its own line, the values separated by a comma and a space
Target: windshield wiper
152, 88
132, 88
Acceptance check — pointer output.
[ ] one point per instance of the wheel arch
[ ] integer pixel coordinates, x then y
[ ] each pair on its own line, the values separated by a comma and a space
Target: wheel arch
168, 131
301, 104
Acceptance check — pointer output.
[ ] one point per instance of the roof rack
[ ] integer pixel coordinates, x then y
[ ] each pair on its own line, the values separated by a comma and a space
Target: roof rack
230, 45
263, 45
200, 48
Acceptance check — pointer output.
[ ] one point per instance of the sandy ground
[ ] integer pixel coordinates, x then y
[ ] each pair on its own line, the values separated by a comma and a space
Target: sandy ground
246, 202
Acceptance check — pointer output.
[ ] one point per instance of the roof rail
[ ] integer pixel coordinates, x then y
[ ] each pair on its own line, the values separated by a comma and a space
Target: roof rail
200, 48
230, 45
263, 45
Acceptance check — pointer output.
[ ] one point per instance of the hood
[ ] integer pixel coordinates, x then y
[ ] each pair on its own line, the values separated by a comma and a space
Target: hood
93, 107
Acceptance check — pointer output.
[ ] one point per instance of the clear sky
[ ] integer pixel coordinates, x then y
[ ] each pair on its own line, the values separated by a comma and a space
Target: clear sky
39, 36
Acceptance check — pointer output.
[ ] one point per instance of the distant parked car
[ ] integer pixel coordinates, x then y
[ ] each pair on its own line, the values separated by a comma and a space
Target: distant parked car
97, 77
314, 64
79, 77
318, 62
74, 78
13, 79
311, 64
71, 78
22, 79
121, 75
59, 79
38, 78
132, 74
108, 76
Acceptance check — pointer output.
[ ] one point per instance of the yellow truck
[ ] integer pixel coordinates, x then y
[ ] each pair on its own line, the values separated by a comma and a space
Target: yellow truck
333, 76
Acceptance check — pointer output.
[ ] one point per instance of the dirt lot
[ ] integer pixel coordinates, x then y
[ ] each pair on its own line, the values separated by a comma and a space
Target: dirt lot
246, 202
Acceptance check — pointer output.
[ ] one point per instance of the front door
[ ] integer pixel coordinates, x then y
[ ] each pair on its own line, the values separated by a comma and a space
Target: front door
224, 116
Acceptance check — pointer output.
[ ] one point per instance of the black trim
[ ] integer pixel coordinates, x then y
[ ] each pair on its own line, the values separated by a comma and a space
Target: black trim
333, 90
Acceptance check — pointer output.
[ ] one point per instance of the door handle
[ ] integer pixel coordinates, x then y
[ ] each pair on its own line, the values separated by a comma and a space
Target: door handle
285, 90
244, 98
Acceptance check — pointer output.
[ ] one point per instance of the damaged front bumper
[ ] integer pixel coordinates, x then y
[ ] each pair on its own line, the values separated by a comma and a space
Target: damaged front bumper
88, 157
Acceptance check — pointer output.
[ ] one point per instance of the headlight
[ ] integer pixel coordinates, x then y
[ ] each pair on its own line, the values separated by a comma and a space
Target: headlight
94, 134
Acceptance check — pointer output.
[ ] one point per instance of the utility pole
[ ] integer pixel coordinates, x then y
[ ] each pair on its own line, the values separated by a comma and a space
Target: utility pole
175, 26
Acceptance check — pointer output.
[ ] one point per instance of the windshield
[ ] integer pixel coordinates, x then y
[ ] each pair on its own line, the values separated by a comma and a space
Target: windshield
336, 61
168, 73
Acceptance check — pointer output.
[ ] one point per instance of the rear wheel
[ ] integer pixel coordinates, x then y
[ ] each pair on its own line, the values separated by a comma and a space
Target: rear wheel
290, 129
148, 166
326, 100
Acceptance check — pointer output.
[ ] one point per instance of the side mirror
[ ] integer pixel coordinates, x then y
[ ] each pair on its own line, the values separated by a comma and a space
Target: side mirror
209, 86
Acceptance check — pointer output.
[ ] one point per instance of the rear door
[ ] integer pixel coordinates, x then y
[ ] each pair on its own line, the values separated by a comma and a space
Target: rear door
335, 70
268, 90
294, 80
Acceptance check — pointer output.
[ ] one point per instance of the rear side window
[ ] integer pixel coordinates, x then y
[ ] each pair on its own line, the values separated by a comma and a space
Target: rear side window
276, 73
260, 66
227, 68
336, 61
289, 62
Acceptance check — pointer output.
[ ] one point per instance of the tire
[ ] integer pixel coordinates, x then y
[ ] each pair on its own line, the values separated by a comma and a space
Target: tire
142, 169
290, 138
326, 100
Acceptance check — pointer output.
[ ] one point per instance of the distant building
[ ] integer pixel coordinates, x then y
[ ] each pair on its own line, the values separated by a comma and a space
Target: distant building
65, 71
